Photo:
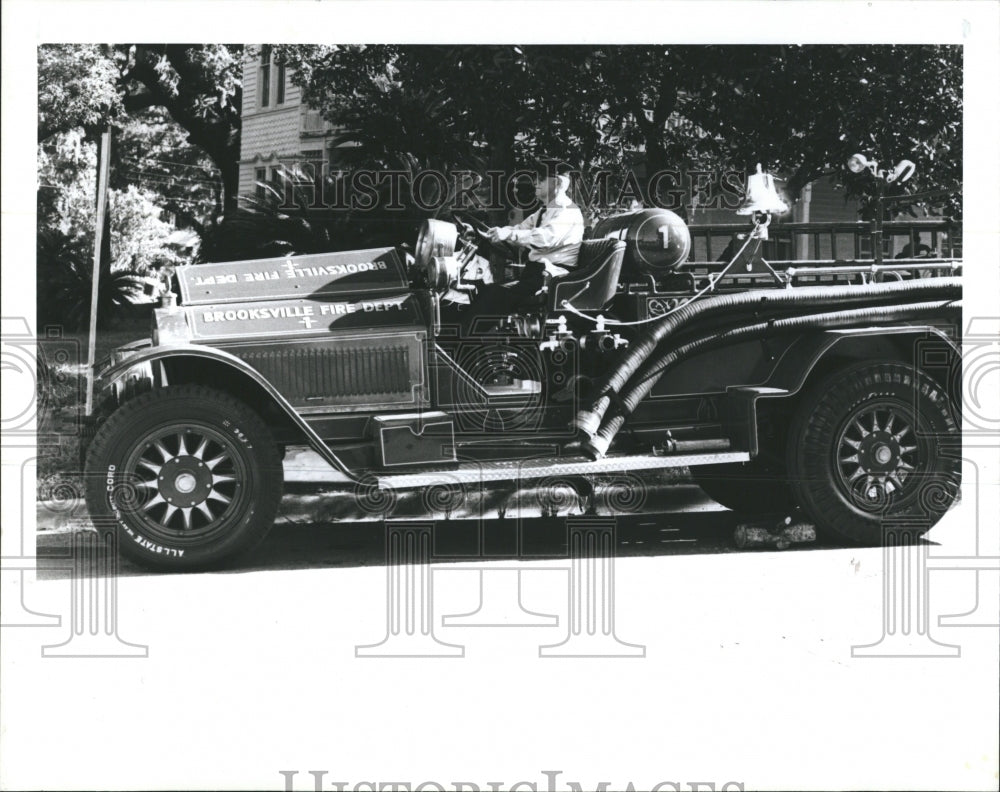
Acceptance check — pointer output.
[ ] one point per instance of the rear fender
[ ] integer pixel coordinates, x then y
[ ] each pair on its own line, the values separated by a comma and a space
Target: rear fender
811, 357
925, 347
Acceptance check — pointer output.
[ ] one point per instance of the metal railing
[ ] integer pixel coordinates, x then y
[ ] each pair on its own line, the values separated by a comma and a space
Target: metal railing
937, 238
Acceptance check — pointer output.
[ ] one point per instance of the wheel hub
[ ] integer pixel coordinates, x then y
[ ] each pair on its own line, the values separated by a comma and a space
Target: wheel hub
879, 452
184, 481
874, 457
883, 454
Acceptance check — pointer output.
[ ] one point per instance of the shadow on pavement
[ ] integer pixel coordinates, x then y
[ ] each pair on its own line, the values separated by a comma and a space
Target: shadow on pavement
684, 522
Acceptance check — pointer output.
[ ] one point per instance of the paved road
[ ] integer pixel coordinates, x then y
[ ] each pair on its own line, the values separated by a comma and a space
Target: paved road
324, 529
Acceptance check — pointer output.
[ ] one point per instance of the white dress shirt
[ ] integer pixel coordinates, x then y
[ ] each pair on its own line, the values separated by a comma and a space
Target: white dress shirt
552, 235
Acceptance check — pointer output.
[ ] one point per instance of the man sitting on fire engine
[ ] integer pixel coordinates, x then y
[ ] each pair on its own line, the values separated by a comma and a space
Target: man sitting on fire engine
551, 239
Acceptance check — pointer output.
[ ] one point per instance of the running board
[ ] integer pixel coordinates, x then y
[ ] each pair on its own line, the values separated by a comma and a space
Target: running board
303, 465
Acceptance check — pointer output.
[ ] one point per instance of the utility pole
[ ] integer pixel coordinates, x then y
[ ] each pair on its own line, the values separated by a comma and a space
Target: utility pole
103, 170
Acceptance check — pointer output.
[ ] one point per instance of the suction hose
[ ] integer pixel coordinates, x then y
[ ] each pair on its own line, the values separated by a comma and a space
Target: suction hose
648, 375
589, 421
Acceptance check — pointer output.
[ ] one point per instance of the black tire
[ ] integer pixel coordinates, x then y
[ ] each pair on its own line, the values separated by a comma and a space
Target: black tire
188, 476
875, 447
752, 488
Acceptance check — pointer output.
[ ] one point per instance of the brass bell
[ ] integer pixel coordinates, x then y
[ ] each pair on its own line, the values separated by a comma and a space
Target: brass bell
761, 195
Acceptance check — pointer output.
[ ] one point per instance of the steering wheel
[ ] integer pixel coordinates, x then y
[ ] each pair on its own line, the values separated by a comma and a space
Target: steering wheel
474, 224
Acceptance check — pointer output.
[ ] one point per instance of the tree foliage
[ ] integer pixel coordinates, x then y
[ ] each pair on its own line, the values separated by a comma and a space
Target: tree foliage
199, 87
78, 86
174, 111
803, 111
799, 110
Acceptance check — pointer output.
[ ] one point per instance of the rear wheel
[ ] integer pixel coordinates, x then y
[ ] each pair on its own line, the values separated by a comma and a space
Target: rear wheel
875, 447
189, 477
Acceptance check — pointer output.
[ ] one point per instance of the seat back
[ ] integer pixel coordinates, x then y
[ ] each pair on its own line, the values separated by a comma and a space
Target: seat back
593, 283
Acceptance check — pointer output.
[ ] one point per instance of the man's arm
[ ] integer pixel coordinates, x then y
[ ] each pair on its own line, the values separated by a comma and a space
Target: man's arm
557, 224
504, 233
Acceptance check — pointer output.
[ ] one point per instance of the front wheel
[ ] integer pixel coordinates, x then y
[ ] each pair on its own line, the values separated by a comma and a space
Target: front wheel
875, 447
188, 476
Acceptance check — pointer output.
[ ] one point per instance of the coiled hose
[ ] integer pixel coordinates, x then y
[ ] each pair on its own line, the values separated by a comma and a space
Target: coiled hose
589, 421
649, 374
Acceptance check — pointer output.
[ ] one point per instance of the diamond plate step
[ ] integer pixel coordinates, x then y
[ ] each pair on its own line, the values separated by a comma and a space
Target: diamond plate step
303, 465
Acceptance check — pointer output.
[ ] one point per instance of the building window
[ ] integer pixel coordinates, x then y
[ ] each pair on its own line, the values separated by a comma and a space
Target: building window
280, 98
259, 176
311, 165
264, 75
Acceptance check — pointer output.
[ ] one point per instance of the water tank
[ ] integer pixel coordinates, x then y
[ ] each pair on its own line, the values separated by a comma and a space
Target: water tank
657, 240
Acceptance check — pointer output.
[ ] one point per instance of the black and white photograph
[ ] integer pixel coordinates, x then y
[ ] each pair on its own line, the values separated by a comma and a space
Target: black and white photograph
474, 396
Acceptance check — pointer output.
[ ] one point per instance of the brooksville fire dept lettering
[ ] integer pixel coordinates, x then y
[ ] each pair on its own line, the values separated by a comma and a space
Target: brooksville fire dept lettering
298, 311
293, 270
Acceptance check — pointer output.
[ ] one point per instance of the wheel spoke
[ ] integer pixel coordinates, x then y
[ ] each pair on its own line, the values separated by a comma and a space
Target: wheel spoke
895, 481
203, 508
213, 463
169, 512
875, 420
848, 459
864, 432
186, 513
905, 465
900, 433
222, 479
167, 456
200, 450
856, 475
151, 466
855, 444
907, 449
181, 445
147, 484
889, 423
155, 501
218, 496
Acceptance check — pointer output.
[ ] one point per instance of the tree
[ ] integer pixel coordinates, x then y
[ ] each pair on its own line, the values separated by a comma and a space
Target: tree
201, 87
804, 111
198, 86
800, 111
78, 86
83, 89
151, 151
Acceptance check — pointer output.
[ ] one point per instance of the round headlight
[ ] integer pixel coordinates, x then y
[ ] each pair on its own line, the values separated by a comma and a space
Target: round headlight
436, 238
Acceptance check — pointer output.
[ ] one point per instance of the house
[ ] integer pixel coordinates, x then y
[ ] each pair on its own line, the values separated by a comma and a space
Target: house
277, 127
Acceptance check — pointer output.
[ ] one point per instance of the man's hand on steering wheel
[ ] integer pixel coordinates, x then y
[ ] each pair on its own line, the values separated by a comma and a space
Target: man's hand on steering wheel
473, 224
496, 235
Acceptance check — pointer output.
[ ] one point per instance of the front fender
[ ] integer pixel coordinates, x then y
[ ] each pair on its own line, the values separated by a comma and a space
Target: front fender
153, 355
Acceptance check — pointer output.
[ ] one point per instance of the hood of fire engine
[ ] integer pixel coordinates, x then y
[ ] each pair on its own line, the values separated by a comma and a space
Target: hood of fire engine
353, 273
241, 301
